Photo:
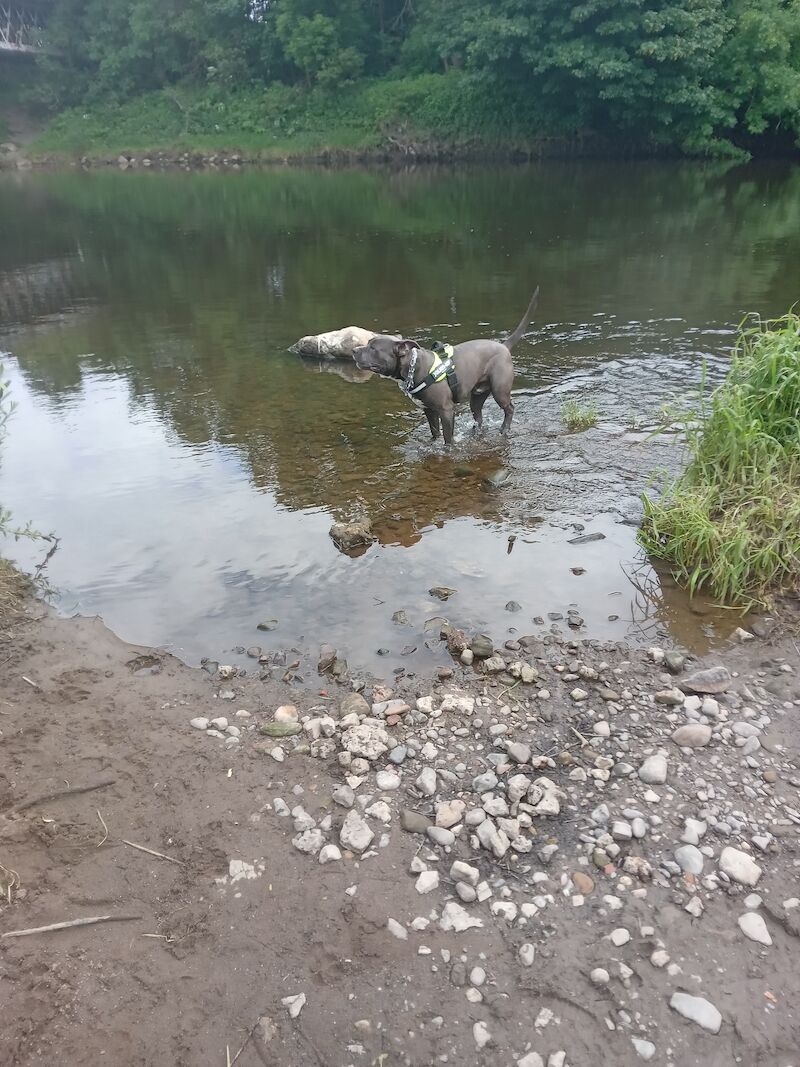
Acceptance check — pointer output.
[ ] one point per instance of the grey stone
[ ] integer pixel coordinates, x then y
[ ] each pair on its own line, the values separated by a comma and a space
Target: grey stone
426, 781
413, 822
698, 1010
713, 680
692, 735
463, 872
518, 752
690, 859
310, 841
482, 646
484, 783
387, 781
441, 836
654, 770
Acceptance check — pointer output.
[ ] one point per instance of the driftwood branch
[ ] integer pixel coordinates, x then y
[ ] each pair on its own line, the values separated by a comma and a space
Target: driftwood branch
91, 921
74, 791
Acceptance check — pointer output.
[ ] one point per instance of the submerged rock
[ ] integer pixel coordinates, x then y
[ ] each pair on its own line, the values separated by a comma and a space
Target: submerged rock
348, 536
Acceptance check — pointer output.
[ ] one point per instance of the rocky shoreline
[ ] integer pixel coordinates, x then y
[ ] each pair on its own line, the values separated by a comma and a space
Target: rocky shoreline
561, 847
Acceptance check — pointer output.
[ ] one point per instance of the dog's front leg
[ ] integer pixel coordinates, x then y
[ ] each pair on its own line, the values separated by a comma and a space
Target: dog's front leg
433, 422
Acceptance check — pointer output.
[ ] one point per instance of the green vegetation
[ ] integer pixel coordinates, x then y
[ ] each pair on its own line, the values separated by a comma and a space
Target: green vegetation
697, 76
731, 522
13, 584
578, 416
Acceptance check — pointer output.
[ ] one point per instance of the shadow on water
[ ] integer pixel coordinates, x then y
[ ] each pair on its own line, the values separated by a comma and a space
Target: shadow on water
192, 465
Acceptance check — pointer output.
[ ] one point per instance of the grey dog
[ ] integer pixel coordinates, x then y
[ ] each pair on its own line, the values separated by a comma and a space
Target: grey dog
480, 367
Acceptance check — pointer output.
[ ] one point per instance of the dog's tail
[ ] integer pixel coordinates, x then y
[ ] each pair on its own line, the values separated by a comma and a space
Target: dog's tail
512, 339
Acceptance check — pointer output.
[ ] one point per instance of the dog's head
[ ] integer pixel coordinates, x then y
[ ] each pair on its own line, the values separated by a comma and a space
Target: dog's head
385, 355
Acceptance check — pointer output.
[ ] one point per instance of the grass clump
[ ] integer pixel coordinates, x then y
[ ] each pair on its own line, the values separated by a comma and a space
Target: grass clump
578, 416
730, 524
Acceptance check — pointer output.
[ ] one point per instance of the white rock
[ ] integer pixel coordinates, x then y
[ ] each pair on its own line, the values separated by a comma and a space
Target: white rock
462, 872
527, 954
397, 929
645, 1049
698, 1010
295, 1004
220, 723
660, 958
692, 735
199, 723
285, 713
355, 834
427, 881
449, 813
380, 810
753, 926
739, 866
694, 830
600, 976
477, 976
426, 782
387, 780
309, 841
329, 854
752, 900
531, 1059
619, 937
368, 740
455, 702
654, 770
277, 754
458, 919
344, 796
480, 1032
579, 695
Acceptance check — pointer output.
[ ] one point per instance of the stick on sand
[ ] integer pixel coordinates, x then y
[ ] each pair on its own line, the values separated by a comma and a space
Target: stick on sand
72, 922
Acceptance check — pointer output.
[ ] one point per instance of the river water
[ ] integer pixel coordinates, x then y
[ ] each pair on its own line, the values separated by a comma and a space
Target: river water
192, 466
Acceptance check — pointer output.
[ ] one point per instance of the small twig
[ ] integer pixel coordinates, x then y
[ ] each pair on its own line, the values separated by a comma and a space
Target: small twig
152, 852
30, 682
63, 793
247, 1041
514, 686
103, 821
583, 740
73, 922
228, 1055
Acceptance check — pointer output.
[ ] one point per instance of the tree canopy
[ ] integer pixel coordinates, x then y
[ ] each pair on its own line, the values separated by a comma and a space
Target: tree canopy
688, 73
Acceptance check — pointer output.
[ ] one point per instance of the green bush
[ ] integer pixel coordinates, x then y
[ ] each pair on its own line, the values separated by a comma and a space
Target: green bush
731, 522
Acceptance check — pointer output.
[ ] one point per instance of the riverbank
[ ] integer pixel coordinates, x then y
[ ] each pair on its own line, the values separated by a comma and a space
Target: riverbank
425, 118
626, 832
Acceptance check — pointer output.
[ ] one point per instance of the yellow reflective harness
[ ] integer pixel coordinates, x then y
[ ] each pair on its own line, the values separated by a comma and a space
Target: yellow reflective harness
442, 369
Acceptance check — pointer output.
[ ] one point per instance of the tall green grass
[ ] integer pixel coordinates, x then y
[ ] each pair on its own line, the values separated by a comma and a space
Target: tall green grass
730, 524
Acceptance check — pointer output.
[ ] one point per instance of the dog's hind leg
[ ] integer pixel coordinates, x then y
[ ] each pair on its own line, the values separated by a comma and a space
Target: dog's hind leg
476, 402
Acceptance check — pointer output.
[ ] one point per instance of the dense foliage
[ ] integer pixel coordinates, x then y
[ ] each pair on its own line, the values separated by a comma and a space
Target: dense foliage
697, 74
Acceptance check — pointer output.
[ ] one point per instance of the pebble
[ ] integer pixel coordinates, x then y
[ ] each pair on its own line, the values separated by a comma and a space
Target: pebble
387, 781
427, 882
457, 919
654, 770
690, 859
645, 1049
440, 835
477, 976
285, 713
698, 1010
309, 841
599, 976
295, 1004
344, 796
753, 926
739, 866
449, 813
527, 953
463, 872
579, 695
480, 1033
199, 723
397, 930
329, 854
426, 781
355, 833
412, 822
619, 937
220, 723
693, 735
531, 1059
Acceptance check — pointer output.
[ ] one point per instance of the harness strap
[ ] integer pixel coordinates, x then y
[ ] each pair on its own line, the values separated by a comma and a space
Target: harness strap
442, 369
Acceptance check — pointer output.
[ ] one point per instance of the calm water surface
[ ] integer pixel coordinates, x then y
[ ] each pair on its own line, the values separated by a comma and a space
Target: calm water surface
192, 466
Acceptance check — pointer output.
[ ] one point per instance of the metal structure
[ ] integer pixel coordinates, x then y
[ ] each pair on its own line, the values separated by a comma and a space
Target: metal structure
21, 26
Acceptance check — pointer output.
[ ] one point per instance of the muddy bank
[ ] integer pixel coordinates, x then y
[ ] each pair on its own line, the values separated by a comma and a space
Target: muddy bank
609, 872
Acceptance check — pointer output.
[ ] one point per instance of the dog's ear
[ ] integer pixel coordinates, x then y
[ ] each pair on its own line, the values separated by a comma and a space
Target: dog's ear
404, 348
